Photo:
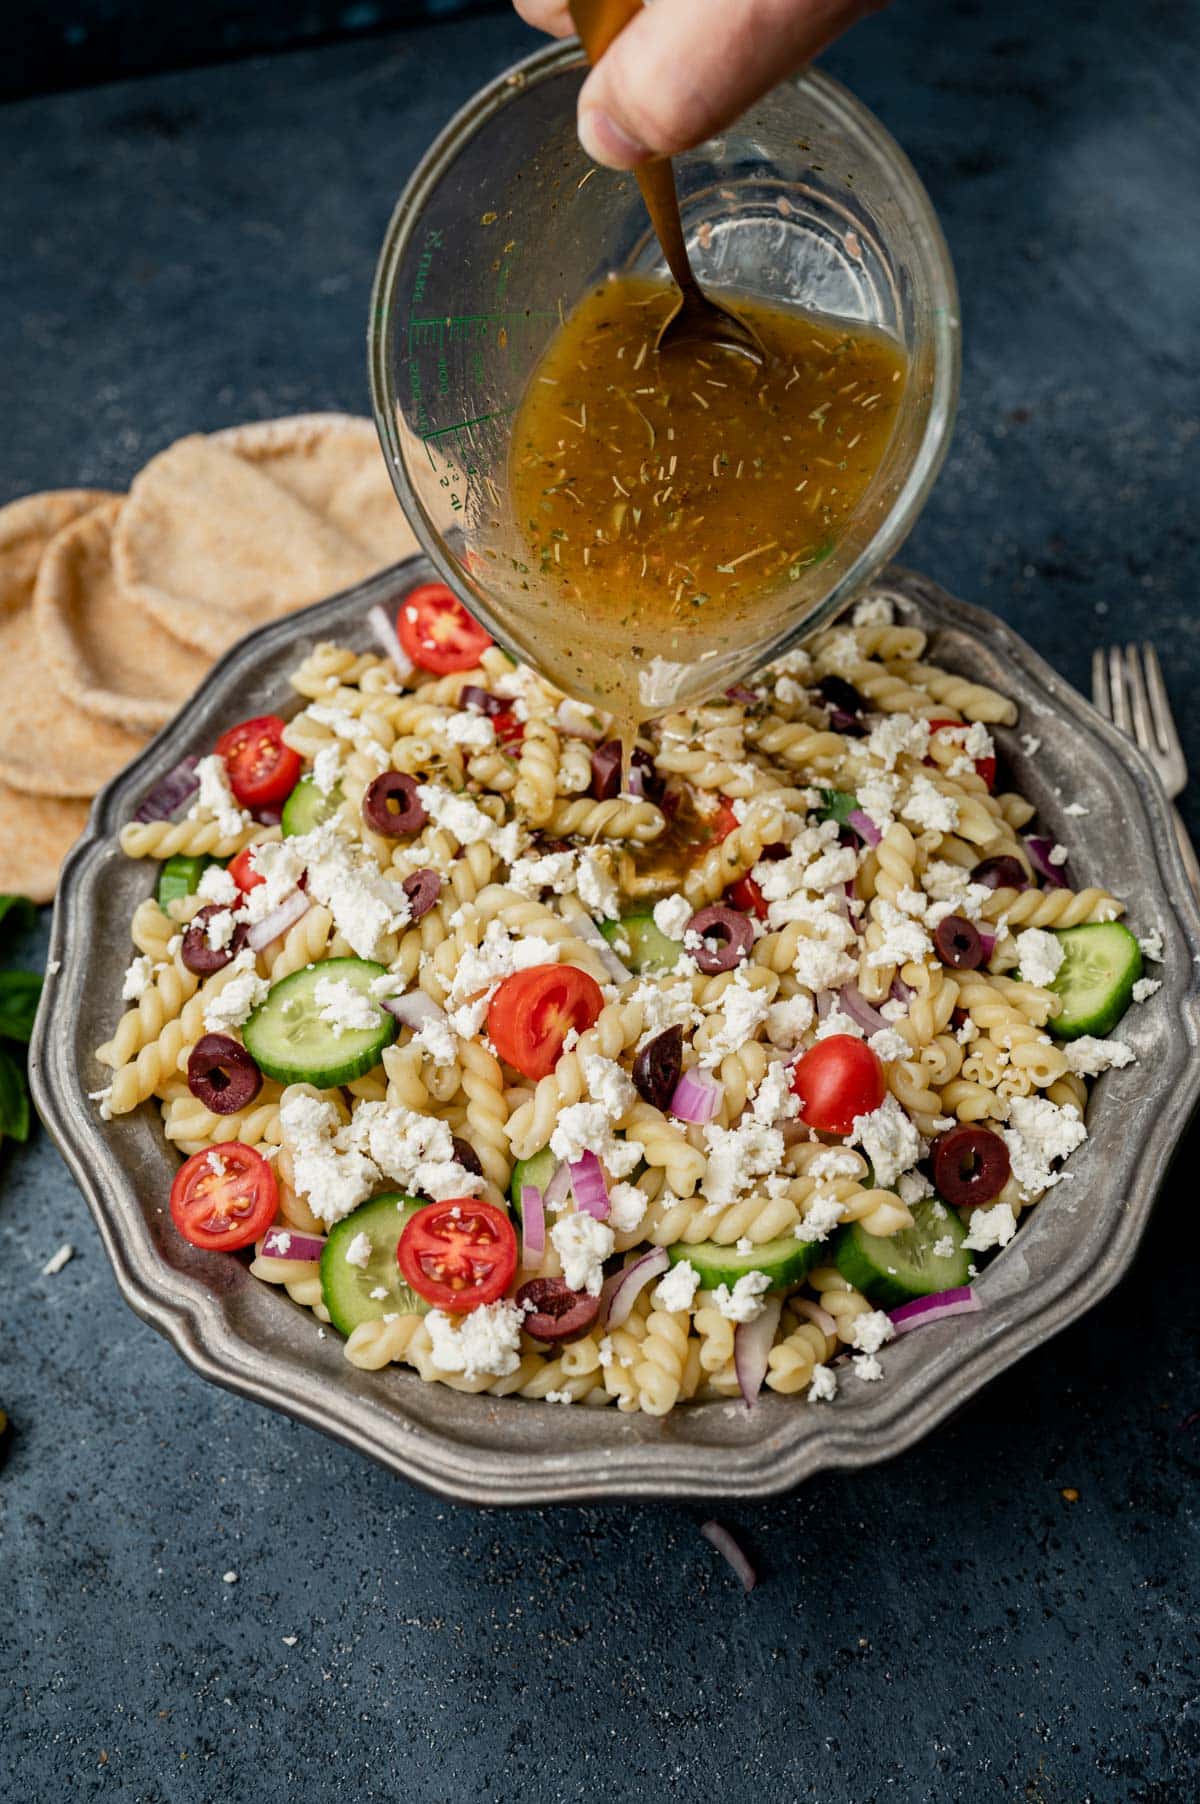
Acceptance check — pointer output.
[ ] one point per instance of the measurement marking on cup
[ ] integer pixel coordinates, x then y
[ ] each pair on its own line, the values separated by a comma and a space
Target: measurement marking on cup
497, 413
436, 329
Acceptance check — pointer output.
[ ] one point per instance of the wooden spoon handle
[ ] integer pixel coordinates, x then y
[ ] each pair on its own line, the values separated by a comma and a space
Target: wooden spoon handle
598, 22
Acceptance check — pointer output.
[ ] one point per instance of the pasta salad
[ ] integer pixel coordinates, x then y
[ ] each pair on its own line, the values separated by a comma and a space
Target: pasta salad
553, 1076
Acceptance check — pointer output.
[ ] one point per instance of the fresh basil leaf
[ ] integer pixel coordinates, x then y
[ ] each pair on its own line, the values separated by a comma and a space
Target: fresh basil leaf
839, 805
14, 1099
20, 908
19, 992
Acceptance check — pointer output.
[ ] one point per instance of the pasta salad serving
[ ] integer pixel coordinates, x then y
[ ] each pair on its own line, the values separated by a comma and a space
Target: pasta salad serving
555, 1074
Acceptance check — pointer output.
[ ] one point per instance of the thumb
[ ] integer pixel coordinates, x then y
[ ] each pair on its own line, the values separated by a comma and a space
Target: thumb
683, 69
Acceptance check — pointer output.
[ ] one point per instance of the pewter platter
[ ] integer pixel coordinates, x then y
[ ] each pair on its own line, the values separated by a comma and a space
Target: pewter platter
249, 1337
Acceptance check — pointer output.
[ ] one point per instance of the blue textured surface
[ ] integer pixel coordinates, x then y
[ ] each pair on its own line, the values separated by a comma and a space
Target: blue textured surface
196, 249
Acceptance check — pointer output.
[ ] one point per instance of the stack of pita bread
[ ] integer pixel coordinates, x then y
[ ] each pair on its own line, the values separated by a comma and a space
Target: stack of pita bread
113, 608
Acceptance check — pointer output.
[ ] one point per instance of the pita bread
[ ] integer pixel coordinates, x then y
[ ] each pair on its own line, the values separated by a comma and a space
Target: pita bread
48, 746
334, 463
36, 832
110, 656
213, 548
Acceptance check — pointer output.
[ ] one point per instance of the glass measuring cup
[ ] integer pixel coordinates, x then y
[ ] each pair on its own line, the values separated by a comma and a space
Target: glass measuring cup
506, 225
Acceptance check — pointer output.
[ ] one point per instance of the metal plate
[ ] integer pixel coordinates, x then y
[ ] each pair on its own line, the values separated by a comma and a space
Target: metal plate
251, 1338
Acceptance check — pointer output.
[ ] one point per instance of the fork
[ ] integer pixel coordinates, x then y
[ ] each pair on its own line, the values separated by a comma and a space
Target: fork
1128, 688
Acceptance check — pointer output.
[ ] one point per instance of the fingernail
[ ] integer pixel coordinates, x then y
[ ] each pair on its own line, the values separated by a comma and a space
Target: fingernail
605, 141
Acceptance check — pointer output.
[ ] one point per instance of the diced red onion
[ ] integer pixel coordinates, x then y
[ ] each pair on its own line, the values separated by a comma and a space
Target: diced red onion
170, 792
533, 1224
719, 1537
697, 1097
752, 1341
825, 1001
621, 1291
853, 1003
383, 627
555, 1192
481, 701
812, 1312
738, 692
636, 781
413, 1010
1039, 851
278, 921
937, 1308
864, 826
286, 1243
588, 930
988, 942
589, 1185
900, 991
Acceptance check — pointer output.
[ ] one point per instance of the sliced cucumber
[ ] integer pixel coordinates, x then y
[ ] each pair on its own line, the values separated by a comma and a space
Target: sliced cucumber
290, 1041
901, 1267
786, 1261
180, 876
1096, 978
307, 807
649, 949
346, 1288
837, 805
536, 1172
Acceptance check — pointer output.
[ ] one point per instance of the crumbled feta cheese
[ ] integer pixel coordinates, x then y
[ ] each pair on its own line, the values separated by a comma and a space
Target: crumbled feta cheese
894, 735
415, 1150
944, 1248
788, 1020
604, 1352
904, 941
1152, 945
867, 1367
559, 1397
1057, 855
473, 731
1088, 1056
992, 1227
913, 1187
874, 610
1030, 746
675, 1290
889, 1046
608, 1085
1145, 987
549, 870
458, 814
877, 798
437, 1040
219, 929
664, 1005
104, 1098
870, 1332
583, 1244
138, 979
596, 883
818, 965
359, 1251
745, 1301
585, 1127
344, 1007
926, 807
351, 729
744, 1244
56, 1261
327, 769
216, 799
499, 954
1040, 956
774, 1099
216, 885
229, 1578
1076, 808
672, 915
738, 1155
627, 1207
821, 1216
486, 1340
895, 1010
823, 1387
889, 1139
333, 1180
280, 865
215, 1162
1039, 1132
366, 906
238, 998
740, 1011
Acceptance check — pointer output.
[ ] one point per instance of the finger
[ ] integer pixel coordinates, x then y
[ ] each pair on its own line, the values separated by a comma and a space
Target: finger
683, 69
546, 15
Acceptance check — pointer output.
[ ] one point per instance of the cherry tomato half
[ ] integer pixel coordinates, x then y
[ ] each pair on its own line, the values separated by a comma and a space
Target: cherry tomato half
509, 730
437, 632
242, 870
224, 1197
262, 770
723, 822
837, 1079
746, 895
985, 767
533, 1011
458, 1254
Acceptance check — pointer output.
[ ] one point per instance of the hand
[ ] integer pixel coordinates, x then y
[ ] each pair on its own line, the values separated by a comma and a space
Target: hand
684, 69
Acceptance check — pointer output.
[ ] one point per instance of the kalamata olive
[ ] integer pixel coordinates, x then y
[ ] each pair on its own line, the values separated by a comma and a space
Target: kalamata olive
726, 934
842, 696
775, 851
481, 700
267, 817
958, 943
422, 888
970, 1166
466, 1155
1001, 872
222, 1075
391, 805
198, 955
658, 1066
644, 779
606, 770
558, 1313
